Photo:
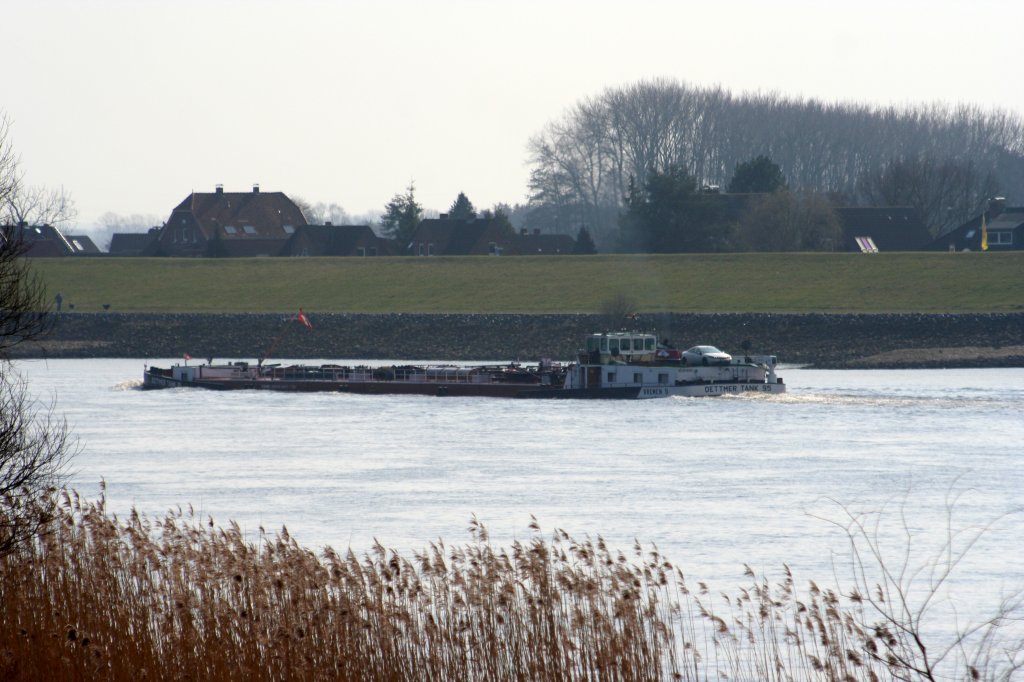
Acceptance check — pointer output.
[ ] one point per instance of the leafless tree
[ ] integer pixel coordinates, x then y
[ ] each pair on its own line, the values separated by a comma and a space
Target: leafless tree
322, 213
905, 604
35, 448
34, 445
583, 161
946, 192
9, 176
38, 205
790, 221
30, 204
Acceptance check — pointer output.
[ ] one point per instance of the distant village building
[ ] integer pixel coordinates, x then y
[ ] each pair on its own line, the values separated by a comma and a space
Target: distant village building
446, 236
228, 224
337, 240
1004, 229
886, 228
132, 243
46, 241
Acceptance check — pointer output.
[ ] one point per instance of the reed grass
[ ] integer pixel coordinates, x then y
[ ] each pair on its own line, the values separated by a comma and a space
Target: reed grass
180, 598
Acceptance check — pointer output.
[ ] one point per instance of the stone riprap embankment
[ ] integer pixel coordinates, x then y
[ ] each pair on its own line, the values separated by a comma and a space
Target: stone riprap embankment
821, 340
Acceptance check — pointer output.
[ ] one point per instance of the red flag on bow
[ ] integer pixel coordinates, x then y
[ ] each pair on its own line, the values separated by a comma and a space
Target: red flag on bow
304, 320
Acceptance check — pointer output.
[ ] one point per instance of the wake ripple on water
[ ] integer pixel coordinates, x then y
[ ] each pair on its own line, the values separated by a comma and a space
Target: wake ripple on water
857, 400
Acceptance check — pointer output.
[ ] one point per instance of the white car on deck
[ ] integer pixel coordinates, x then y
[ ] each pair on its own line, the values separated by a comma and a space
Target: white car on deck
705, 355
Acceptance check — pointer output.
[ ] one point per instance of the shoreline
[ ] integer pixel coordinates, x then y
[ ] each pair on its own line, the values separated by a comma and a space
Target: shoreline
815, 340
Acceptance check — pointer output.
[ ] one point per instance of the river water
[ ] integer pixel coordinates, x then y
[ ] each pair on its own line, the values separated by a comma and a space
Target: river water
714, 482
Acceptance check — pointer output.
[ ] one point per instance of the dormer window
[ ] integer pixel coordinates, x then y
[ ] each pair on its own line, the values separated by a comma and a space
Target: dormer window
230, 229
249, 229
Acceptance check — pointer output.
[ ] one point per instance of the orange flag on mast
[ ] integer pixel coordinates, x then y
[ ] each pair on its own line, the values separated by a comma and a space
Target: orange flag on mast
304, 320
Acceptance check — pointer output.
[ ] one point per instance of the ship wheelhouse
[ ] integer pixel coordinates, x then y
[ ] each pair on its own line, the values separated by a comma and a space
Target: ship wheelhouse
625, 347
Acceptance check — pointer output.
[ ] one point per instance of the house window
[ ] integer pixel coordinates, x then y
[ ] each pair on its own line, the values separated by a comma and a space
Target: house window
1002, 238
492, 248
421, 249
360, 251
288, 229
249, 229
372, 251
230, 229
430, 249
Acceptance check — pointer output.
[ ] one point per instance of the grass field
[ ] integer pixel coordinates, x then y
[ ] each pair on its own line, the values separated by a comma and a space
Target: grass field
897, 282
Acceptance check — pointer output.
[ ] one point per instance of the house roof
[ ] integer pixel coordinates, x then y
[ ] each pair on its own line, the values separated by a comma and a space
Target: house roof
46, 241
892, 228
968, 235
1010, 219
131, 243
330, 240
457, 237
239, 215
82, 245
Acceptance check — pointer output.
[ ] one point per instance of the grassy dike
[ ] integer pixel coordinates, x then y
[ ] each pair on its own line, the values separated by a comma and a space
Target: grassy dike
778, 283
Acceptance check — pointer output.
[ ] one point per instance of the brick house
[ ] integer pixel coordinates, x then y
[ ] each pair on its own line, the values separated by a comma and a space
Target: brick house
223, 223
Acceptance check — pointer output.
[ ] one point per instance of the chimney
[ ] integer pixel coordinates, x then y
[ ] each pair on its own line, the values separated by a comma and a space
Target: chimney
219, 189
443, 216
256, 188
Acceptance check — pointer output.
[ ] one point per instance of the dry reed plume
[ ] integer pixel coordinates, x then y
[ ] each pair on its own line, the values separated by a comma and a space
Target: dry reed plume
96, 597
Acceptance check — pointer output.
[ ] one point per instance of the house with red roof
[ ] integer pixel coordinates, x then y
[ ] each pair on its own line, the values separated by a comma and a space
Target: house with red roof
232, 224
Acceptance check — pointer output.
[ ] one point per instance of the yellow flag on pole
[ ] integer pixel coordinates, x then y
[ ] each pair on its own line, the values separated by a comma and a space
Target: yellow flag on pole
984, 234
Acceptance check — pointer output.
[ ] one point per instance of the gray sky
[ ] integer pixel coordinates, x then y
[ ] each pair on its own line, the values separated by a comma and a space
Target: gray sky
132, 104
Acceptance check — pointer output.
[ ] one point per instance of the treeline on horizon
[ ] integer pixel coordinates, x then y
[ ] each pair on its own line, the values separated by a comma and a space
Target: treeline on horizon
944, 160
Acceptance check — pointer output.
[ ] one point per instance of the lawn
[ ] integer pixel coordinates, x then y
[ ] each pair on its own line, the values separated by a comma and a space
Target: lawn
896, 282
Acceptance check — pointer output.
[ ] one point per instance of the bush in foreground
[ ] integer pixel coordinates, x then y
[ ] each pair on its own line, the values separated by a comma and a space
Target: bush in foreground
95, 597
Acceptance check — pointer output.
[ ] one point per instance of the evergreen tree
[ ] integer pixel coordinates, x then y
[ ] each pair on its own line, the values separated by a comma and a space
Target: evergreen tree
668, 215
759, 175
462, 209
401, 216
584, 244
499, 215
